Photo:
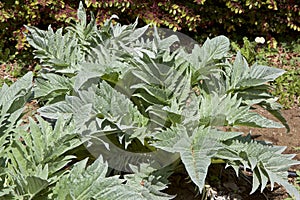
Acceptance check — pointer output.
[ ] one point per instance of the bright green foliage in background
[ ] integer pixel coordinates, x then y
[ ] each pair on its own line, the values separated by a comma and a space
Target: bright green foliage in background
288, 88
197, 18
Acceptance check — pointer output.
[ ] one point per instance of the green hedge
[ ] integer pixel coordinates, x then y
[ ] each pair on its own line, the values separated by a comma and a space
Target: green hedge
197, 18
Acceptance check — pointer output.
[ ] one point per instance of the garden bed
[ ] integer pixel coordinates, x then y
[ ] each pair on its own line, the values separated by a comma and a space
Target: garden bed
141, 116
224, 183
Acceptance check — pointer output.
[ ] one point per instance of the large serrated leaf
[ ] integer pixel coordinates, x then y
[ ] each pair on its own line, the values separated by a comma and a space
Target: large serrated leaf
240, 70
137, 33
152, 182
255, 120
242, 76
196, 149
96, 185
55, 110
216, 48
52, 86
266, 162
54, 49
204, 60
35, 185
265, 73
37, 155
14, 97
81, 15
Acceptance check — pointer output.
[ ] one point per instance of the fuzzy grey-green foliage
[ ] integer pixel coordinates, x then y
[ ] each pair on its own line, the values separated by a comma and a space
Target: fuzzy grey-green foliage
139, 93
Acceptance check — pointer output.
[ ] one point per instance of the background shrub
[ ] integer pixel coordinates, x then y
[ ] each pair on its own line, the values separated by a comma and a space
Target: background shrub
197, 18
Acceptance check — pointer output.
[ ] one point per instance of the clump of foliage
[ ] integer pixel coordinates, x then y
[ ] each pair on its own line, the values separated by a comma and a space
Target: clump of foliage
125, 89
288, 88
276, 18
12, 71
248, 50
